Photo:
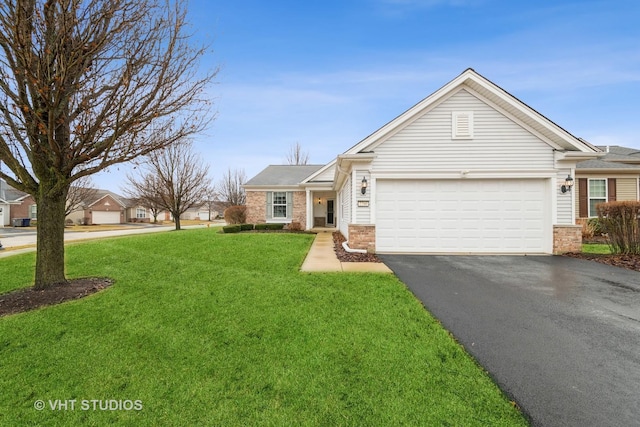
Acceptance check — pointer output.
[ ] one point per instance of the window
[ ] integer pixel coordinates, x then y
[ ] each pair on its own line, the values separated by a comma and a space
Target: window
597, 194
141, 213
279, 204
33, 211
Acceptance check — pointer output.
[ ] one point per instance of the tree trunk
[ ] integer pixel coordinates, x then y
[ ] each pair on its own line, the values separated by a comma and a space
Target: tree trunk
50, 246
176, 219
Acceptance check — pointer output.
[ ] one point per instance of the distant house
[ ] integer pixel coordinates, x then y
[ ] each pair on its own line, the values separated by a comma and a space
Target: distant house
203, 212
15, 204
615, 176
100, 207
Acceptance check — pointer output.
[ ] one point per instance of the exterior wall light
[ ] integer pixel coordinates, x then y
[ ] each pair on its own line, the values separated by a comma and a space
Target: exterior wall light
363, 187
319, 201
568, 183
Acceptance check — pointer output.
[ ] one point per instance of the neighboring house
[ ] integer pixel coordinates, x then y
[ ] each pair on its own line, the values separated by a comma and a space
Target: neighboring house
101, 207
615, 176
469, 169
202, 212
137, 213
15, 204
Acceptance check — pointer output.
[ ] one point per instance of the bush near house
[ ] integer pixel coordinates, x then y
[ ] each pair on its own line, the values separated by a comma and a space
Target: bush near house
620, 221
246, 227
235, 215
591, 227
232, 228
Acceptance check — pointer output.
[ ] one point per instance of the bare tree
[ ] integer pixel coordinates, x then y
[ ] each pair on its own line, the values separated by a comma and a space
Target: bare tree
86, 84
296, 156
230, 188
145, 192
81, 192
178, 177
211, 200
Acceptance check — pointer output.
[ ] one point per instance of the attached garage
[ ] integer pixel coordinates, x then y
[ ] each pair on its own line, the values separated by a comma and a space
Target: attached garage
105, 217
463, 216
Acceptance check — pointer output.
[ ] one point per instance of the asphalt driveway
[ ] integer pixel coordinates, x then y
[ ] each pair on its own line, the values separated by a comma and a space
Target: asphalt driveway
560, 336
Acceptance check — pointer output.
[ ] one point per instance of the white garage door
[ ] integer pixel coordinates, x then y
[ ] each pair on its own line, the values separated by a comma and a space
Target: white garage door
106, 217
463, 216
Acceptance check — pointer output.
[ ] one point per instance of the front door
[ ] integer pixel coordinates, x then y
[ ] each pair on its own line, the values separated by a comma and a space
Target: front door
330, 219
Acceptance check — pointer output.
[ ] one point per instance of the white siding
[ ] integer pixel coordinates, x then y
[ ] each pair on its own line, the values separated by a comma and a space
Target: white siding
563, 200
326, 175
344, 215
498, 143
363, 214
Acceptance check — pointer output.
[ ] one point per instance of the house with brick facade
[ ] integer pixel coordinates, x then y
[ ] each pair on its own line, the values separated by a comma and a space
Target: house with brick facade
469, 169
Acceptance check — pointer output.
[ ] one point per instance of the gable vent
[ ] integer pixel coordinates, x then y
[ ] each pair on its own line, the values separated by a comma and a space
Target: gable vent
462, 122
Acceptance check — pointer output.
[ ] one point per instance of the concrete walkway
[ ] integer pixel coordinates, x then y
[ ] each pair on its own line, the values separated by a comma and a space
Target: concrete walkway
322, 258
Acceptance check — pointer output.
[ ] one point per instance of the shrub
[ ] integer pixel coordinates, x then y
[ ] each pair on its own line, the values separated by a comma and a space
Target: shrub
591, 227
246, 227
235, 215
619, 220
261, 226
275, 226
295, 226
231, 228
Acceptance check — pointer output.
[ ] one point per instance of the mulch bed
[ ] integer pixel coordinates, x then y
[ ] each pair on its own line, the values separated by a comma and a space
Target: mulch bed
27, 299
345, 256
630, 262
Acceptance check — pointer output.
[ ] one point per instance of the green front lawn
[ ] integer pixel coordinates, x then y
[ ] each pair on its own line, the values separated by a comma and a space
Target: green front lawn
216, 329
596, 248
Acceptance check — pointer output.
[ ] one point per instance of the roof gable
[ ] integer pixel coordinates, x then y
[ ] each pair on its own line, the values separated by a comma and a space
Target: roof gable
100, 195
497, 98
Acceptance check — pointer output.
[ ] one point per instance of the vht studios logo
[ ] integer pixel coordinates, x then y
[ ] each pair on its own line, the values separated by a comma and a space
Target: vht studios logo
88, 405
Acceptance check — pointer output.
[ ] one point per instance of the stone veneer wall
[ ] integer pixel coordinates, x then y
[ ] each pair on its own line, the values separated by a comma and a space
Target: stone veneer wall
362, 237
567, 238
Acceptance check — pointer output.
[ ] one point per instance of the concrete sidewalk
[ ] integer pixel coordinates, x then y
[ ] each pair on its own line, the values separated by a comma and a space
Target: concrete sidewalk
25, 241
322, 258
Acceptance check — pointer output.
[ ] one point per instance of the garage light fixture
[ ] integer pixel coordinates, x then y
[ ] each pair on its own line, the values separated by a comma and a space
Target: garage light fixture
568, 183
363, 187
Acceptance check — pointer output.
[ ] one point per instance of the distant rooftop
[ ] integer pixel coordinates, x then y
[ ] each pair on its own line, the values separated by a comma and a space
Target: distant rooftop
616, 157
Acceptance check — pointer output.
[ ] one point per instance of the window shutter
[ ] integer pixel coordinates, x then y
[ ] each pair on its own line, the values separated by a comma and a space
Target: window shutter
583, 198
269, 214
289, 204
611, 189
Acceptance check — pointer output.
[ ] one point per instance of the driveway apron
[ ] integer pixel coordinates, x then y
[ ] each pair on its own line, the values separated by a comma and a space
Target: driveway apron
560, 336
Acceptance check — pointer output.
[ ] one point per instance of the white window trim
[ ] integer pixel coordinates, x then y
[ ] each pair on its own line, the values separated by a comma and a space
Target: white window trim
606, 195
144, 213
274, 204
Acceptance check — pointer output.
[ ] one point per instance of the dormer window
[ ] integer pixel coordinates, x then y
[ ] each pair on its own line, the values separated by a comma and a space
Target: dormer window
462, 125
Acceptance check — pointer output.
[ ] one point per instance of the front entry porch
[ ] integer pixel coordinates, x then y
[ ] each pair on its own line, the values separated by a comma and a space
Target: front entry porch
322, 210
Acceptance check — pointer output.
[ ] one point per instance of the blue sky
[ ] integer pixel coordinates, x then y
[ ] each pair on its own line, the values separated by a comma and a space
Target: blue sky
328, 73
